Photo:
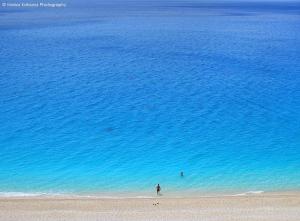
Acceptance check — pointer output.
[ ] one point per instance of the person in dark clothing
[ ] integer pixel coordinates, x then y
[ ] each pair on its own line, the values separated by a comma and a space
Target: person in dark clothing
158, 189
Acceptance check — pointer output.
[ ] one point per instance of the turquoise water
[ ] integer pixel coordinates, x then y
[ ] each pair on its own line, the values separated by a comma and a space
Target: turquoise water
107, 98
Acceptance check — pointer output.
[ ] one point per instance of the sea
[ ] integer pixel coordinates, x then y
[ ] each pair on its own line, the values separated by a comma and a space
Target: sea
110, 98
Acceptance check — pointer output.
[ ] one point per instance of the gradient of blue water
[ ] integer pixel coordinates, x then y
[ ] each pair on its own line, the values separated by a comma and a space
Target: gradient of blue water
119, 98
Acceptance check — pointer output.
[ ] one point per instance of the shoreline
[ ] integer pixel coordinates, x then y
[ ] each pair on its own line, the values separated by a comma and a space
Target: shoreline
142, 195
259, 207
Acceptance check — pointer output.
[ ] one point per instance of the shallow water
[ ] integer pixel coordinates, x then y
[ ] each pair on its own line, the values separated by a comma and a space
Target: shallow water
120, 97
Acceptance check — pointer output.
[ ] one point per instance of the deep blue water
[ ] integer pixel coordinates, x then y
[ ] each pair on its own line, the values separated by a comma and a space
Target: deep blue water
119, 97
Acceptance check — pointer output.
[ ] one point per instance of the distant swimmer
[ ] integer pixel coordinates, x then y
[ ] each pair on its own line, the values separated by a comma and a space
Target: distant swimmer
158, 189
181, 174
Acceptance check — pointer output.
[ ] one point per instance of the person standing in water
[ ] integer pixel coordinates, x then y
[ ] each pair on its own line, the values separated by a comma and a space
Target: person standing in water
158, 189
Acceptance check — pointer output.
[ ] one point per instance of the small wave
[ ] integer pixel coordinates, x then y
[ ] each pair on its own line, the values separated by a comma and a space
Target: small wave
18, 194
249, 193
24, 194
39, 194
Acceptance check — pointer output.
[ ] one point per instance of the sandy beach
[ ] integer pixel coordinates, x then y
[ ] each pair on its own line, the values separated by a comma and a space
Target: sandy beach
261, 207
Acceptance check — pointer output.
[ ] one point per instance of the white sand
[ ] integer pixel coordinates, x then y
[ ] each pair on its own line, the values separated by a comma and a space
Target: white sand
262, 207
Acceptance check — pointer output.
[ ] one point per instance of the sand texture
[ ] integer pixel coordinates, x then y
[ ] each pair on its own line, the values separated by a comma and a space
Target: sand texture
263, 207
